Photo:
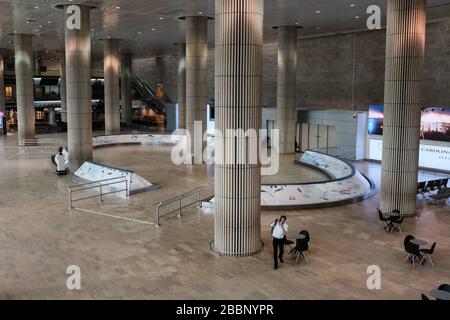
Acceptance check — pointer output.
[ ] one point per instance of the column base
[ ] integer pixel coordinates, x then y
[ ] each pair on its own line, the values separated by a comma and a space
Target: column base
213, 249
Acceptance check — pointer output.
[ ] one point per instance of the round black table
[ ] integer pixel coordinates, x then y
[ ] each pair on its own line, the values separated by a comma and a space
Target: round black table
418, 242
440, 294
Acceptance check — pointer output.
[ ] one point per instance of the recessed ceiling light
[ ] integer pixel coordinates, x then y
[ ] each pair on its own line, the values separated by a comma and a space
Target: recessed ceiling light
318, 11
318, 28
153, 29
117, 7
161, 18
139, 32
36, 7
352, 5
200, 12
357, 17
49, 22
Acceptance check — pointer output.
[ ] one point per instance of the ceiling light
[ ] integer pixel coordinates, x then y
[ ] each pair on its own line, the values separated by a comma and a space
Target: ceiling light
161, 18
357, 17
352, 5
318, 11
36, 7
153, 29
200, 12
118, 8
49, 22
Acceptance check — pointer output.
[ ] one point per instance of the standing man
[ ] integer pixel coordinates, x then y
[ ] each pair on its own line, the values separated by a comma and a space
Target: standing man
279, 230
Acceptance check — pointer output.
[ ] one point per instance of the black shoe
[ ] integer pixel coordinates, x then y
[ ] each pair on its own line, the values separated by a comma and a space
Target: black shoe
275, 267
281, 260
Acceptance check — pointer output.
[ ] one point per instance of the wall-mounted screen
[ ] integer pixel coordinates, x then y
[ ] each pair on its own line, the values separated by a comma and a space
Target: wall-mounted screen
435, 123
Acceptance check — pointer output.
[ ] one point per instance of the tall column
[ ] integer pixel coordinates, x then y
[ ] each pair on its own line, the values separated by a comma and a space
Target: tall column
78, 82
26, 115
2, 86
111, 65
196, 81
405, 50
126, 69
287, 87
181, 85
62, 85
238, 97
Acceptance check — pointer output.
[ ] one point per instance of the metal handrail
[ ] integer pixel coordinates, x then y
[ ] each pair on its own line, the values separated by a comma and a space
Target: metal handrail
97, 184
178, 199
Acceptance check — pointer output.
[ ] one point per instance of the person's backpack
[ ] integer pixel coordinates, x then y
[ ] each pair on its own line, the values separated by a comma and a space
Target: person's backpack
273, 227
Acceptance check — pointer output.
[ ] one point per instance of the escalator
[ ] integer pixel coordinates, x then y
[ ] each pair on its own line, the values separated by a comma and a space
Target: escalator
146, 94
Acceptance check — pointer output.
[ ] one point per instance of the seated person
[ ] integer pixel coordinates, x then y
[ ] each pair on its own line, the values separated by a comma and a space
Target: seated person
60, 160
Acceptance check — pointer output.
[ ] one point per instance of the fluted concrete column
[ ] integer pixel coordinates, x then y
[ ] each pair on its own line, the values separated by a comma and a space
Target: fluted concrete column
238, 97
181, 85
405, 49
78, 82
26, 115
2, 86
196, 81
287, 87
111, 66
62, 86
127, 84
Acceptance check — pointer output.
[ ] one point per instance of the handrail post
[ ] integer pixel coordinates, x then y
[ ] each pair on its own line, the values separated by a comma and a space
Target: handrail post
179, 208
70, 199
101, 194
157, 216
199, 201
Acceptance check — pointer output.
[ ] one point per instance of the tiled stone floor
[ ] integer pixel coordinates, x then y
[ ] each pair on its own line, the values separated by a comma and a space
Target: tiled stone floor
40, 238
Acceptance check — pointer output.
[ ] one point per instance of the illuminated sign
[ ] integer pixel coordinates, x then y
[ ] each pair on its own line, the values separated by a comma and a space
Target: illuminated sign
435, 122
430, 156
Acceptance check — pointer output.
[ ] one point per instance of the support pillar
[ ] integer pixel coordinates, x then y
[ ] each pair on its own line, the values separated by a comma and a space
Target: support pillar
181, 85
111, 65
238, 98
2, 87
62, 86
287, 88
26, 115
78, 82
196, 83
405, 51
127, 81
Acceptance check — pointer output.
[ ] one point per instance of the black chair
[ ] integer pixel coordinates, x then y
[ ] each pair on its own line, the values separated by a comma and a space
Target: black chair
429, 186
428, 252
444, 183
444, 287
424, 297
306, 234
384, 221
396, 221
299, 250
421, 187
412, 250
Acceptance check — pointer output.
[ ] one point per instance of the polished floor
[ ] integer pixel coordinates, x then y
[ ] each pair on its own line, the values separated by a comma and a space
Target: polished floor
124, 259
